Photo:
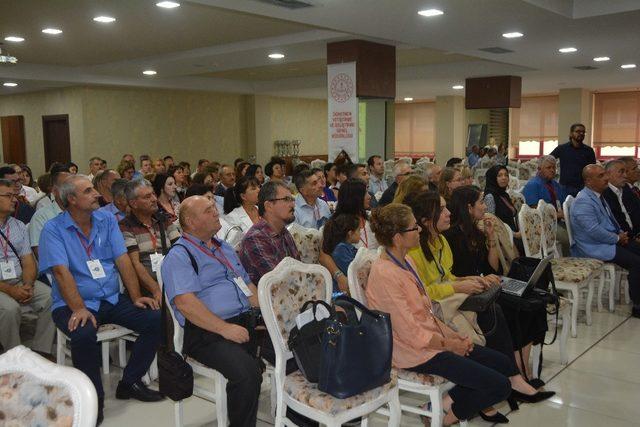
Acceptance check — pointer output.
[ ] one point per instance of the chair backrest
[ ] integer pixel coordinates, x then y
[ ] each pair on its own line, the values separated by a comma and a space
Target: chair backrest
516, 198
308, 242
406, 160
566, 209
283, 291
317, 163
178, 331
549, 228
530, 222
514, 183
358, 272
38, 392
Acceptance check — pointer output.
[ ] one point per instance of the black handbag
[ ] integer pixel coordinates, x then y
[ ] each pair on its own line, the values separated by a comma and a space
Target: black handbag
482, 301
175, 375
356, 353
306, 343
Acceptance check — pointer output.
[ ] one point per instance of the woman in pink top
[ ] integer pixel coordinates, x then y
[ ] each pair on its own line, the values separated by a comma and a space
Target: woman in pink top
421, 342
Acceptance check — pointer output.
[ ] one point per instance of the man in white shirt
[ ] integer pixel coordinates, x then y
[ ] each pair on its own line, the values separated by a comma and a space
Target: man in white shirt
623, 203
310, 210
377, 184
48, 212
95, 166
29, 193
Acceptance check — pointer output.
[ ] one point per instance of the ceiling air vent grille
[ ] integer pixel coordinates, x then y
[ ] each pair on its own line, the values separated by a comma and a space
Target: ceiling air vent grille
495, 49
586, 68
289, 4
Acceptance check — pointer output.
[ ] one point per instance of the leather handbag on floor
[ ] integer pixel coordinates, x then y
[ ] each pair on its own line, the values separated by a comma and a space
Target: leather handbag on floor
356, 353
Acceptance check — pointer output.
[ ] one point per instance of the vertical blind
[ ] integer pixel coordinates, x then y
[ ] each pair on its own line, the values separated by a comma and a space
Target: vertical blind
415, 128
616, 119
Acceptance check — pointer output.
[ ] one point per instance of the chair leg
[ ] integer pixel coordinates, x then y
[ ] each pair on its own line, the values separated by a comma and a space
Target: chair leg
611, 274
590, 300
625, 284
564, 336
575, 304
281, 410
221, 399
437, 414
600, 289
395, 412
535, 358
122, 353
61, 342
105, 357
364, 421
177, 413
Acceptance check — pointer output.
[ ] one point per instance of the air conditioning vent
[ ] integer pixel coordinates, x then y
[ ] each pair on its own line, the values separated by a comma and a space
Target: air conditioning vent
289, 4
586, 68
496, 49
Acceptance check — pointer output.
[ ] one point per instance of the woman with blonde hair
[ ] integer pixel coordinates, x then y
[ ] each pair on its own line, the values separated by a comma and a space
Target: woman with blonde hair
466, 174
450, 179
411, 184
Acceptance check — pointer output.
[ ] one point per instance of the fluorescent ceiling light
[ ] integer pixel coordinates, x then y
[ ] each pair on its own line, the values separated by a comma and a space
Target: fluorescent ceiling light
408, 99
149, 72
567, 50
15, 39
10, 84
53, 31
457, 87
601, 58
430, 12
626, 66
104, 19
168, 4
513, 35
276, 55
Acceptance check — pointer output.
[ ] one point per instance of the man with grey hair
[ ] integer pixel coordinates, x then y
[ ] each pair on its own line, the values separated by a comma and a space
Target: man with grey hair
20, 292
102, 182
95, 164
432, 174
400, 171
624, 205
633, 174
84, 252
144, 229
118, 206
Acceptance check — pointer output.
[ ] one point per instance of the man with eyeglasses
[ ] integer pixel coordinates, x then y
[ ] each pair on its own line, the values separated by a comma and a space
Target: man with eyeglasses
574, 156
215, 301
23, 211
310, 210
20, 292
400, 171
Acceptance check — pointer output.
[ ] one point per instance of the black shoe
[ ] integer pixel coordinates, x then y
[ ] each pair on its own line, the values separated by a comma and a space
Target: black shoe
532, 398
496, 418
137, 391
536, 383
100, 417
635, 311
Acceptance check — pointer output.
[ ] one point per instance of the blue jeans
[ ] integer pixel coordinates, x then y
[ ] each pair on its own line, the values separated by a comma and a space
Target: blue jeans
85, 350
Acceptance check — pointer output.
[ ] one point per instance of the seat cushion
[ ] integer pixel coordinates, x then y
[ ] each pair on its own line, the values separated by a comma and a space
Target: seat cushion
574, 270
424, 379
297, 386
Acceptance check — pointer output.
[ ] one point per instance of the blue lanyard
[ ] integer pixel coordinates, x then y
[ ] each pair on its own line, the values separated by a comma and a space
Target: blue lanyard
408, 267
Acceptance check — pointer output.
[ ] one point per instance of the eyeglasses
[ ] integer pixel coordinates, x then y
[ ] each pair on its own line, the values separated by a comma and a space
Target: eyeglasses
407, 230
288, 199
10, 196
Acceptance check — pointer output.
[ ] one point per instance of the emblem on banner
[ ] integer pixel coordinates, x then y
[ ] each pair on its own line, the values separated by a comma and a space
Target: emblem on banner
341, 87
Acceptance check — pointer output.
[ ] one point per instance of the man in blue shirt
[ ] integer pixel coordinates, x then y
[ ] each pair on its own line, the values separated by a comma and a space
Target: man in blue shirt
310, 210
118, 206
574, 156
83, 250
473, 156
212, 297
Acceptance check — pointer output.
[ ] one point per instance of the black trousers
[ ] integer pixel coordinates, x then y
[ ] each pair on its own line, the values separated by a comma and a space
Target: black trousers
237, 363
492, 321
628, 257
481, 379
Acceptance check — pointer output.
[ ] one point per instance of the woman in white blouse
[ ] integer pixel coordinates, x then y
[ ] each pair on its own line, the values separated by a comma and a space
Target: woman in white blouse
240, 207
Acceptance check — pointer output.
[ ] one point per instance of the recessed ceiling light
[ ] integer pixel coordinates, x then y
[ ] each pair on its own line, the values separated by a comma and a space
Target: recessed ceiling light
430, 12
457, 87
149, 72
53, 31
626, 66
408, 99
104, 19
10, 84
513, 35
567, 50
14, 39
276, 55
168, 4
601, 58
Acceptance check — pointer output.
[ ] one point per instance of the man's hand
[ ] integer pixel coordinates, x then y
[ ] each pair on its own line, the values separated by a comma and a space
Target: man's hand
21, 294
343, 284
623, 238
157, 296
235, 333
79, 318
146, 302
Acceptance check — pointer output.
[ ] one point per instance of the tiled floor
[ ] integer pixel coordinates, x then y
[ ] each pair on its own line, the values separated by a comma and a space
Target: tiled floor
599, 387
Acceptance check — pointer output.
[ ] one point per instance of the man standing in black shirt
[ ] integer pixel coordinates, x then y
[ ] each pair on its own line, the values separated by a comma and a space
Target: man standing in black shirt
574, 156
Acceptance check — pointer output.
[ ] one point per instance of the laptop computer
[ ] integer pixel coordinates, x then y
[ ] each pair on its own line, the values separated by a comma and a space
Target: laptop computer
519, 287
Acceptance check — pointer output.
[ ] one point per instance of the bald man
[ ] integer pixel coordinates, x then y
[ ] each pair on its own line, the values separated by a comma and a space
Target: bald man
216, 304
597, 234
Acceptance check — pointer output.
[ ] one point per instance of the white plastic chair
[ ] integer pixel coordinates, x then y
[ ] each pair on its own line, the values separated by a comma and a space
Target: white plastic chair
219, 393
48, 387
308, 241
430, 386
281, 293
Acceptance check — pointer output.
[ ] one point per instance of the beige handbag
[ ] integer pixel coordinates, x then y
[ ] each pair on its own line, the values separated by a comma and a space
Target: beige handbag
463, 322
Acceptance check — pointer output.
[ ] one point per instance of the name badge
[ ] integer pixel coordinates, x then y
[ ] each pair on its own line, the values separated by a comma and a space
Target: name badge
95, 268
156, 259
8, 270
243, 286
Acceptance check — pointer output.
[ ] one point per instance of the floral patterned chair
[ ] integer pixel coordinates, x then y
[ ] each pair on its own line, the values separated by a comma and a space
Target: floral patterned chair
516, 198
36, 392
571, 276
308, 241
282, 292
431, 386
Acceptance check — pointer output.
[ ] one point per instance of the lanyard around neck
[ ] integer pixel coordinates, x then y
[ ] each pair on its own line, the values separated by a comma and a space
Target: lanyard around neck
407, 267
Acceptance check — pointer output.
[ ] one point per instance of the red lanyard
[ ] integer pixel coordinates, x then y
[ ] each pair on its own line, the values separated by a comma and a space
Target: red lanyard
154, 239
5, 243
363, 224
87, 247
208, 253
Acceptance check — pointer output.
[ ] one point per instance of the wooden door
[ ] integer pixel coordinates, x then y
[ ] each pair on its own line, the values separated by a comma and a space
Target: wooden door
13, 140
57, 146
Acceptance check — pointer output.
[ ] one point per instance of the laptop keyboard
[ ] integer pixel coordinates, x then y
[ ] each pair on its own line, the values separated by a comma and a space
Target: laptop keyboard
513, 285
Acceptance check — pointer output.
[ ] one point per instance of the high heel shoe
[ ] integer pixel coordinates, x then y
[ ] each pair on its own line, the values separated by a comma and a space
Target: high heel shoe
496, 418
532, 398
513, 404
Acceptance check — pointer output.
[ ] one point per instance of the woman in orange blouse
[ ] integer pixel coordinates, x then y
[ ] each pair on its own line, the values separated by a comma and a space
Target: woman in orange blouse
421, 342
